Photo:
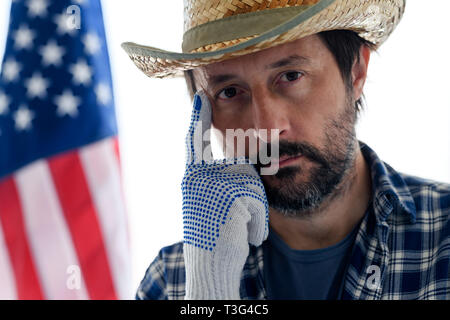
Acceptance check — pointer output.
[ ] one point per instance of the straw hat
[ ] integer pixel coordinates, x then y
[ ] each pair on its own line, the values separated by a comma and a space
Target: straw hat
217, 30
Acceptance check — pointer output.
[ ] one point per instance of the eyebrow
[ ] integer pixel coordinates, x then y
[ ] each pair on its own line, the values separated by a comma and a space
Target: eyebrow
292, 60
289, 61
221, 78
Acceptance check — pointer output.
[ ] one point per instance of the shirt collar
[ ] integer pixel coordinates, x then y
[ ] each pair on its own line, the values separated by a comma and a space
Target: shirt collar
389, 190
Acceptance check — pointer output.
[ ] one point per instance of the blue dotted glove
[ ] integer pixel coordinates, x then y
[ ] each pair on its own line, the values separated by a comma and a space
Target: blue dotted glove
224, 209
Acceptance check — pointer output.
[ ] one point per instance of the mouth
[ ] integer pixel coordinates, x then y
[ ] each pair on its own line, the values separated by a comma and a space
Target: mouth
284, 160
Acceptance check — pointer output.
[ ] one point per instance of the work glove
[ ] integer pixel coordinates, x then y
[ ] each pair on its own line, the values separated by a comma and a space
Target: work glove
224, 209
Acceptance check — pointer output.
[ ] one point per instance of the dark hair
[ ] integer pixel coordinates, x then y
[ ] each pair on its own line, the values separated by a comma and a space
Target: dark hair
343, 44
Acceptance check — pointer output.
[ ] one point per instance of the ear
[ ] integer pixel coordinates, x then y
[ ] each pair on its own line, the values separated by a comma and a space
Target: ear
359, 71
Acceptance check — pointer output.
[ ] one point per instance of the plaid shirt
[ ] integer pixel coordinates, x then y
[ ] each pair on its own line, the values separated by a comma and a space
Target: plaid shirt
401, 251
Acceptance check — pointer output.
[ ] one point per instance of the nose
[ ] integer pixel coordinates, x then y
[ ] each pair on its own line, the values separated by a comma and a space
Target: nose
269, 112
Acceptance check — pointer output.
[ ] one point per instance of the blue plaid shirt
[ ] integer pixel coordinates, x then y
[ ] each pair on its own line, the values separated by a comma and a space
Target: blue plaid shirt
401, 251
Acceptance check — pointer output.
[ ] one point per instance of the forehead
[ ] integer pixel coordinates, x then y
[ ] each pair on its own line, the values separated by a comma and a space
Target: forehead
308, 50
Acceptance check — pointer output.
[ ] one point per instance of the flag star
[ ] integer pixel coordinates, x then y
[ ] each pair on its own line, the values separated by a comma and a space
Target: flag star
81, 73
23, 38
23, 118
11, 70
103, 93
63, 24
37, 8
4, 103
91, 43
37, 86
52, 54
67, 104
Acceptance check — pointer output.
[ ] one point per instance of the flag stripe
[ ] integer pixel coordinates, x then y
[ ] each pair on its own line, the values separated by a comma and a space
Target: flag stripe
7, 287
47, 231
117, 152
81, 217
102, 173
27, 283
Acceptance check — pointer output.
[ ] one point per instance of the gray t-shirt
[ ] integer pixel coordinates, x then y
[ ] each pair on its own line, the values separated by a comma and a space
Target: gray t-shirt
305, 274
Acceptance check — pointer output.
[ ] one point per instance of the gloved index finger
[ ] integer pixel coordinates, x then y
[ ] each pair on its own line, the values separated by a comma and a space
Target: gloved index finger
198, 145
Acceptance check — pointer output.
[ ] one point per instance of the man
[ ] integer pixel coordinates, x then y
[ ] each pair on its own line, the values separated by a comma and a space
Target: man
334, 221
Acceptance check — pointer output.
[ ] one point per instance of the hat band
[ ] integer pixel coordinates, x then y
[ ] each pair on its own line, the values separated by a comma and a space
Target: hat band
238, 26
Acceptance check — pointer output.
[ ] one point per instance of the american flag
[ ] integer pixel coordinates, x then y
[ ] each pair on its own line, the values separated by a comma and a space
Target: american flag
63, 225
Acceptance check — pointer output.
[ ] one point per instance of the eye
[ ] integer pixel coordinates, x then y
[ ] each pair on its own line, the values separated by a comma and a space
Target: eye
290, 76
228, 93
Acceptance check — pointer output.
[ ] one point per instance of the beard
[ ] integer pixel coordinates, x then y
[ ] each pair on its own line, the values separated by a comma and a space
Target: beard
298, 191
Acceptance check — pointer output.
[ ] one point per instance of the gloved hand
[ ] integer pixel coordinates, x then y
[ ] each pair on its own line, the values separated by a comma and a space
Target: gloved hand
224, 209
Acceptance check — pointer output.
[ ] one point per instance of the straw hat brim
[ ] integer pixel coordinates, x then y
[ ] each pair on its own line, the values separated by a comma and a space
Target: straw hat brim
373, 20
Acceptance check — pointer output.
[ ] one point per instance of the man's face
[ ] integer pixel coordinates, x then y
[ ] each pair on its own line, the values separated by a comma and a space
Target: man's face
298, 89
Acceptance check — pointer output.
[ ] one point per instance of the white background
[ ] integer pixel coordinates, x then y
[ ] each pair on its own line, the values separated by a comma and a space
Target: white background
406, 121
